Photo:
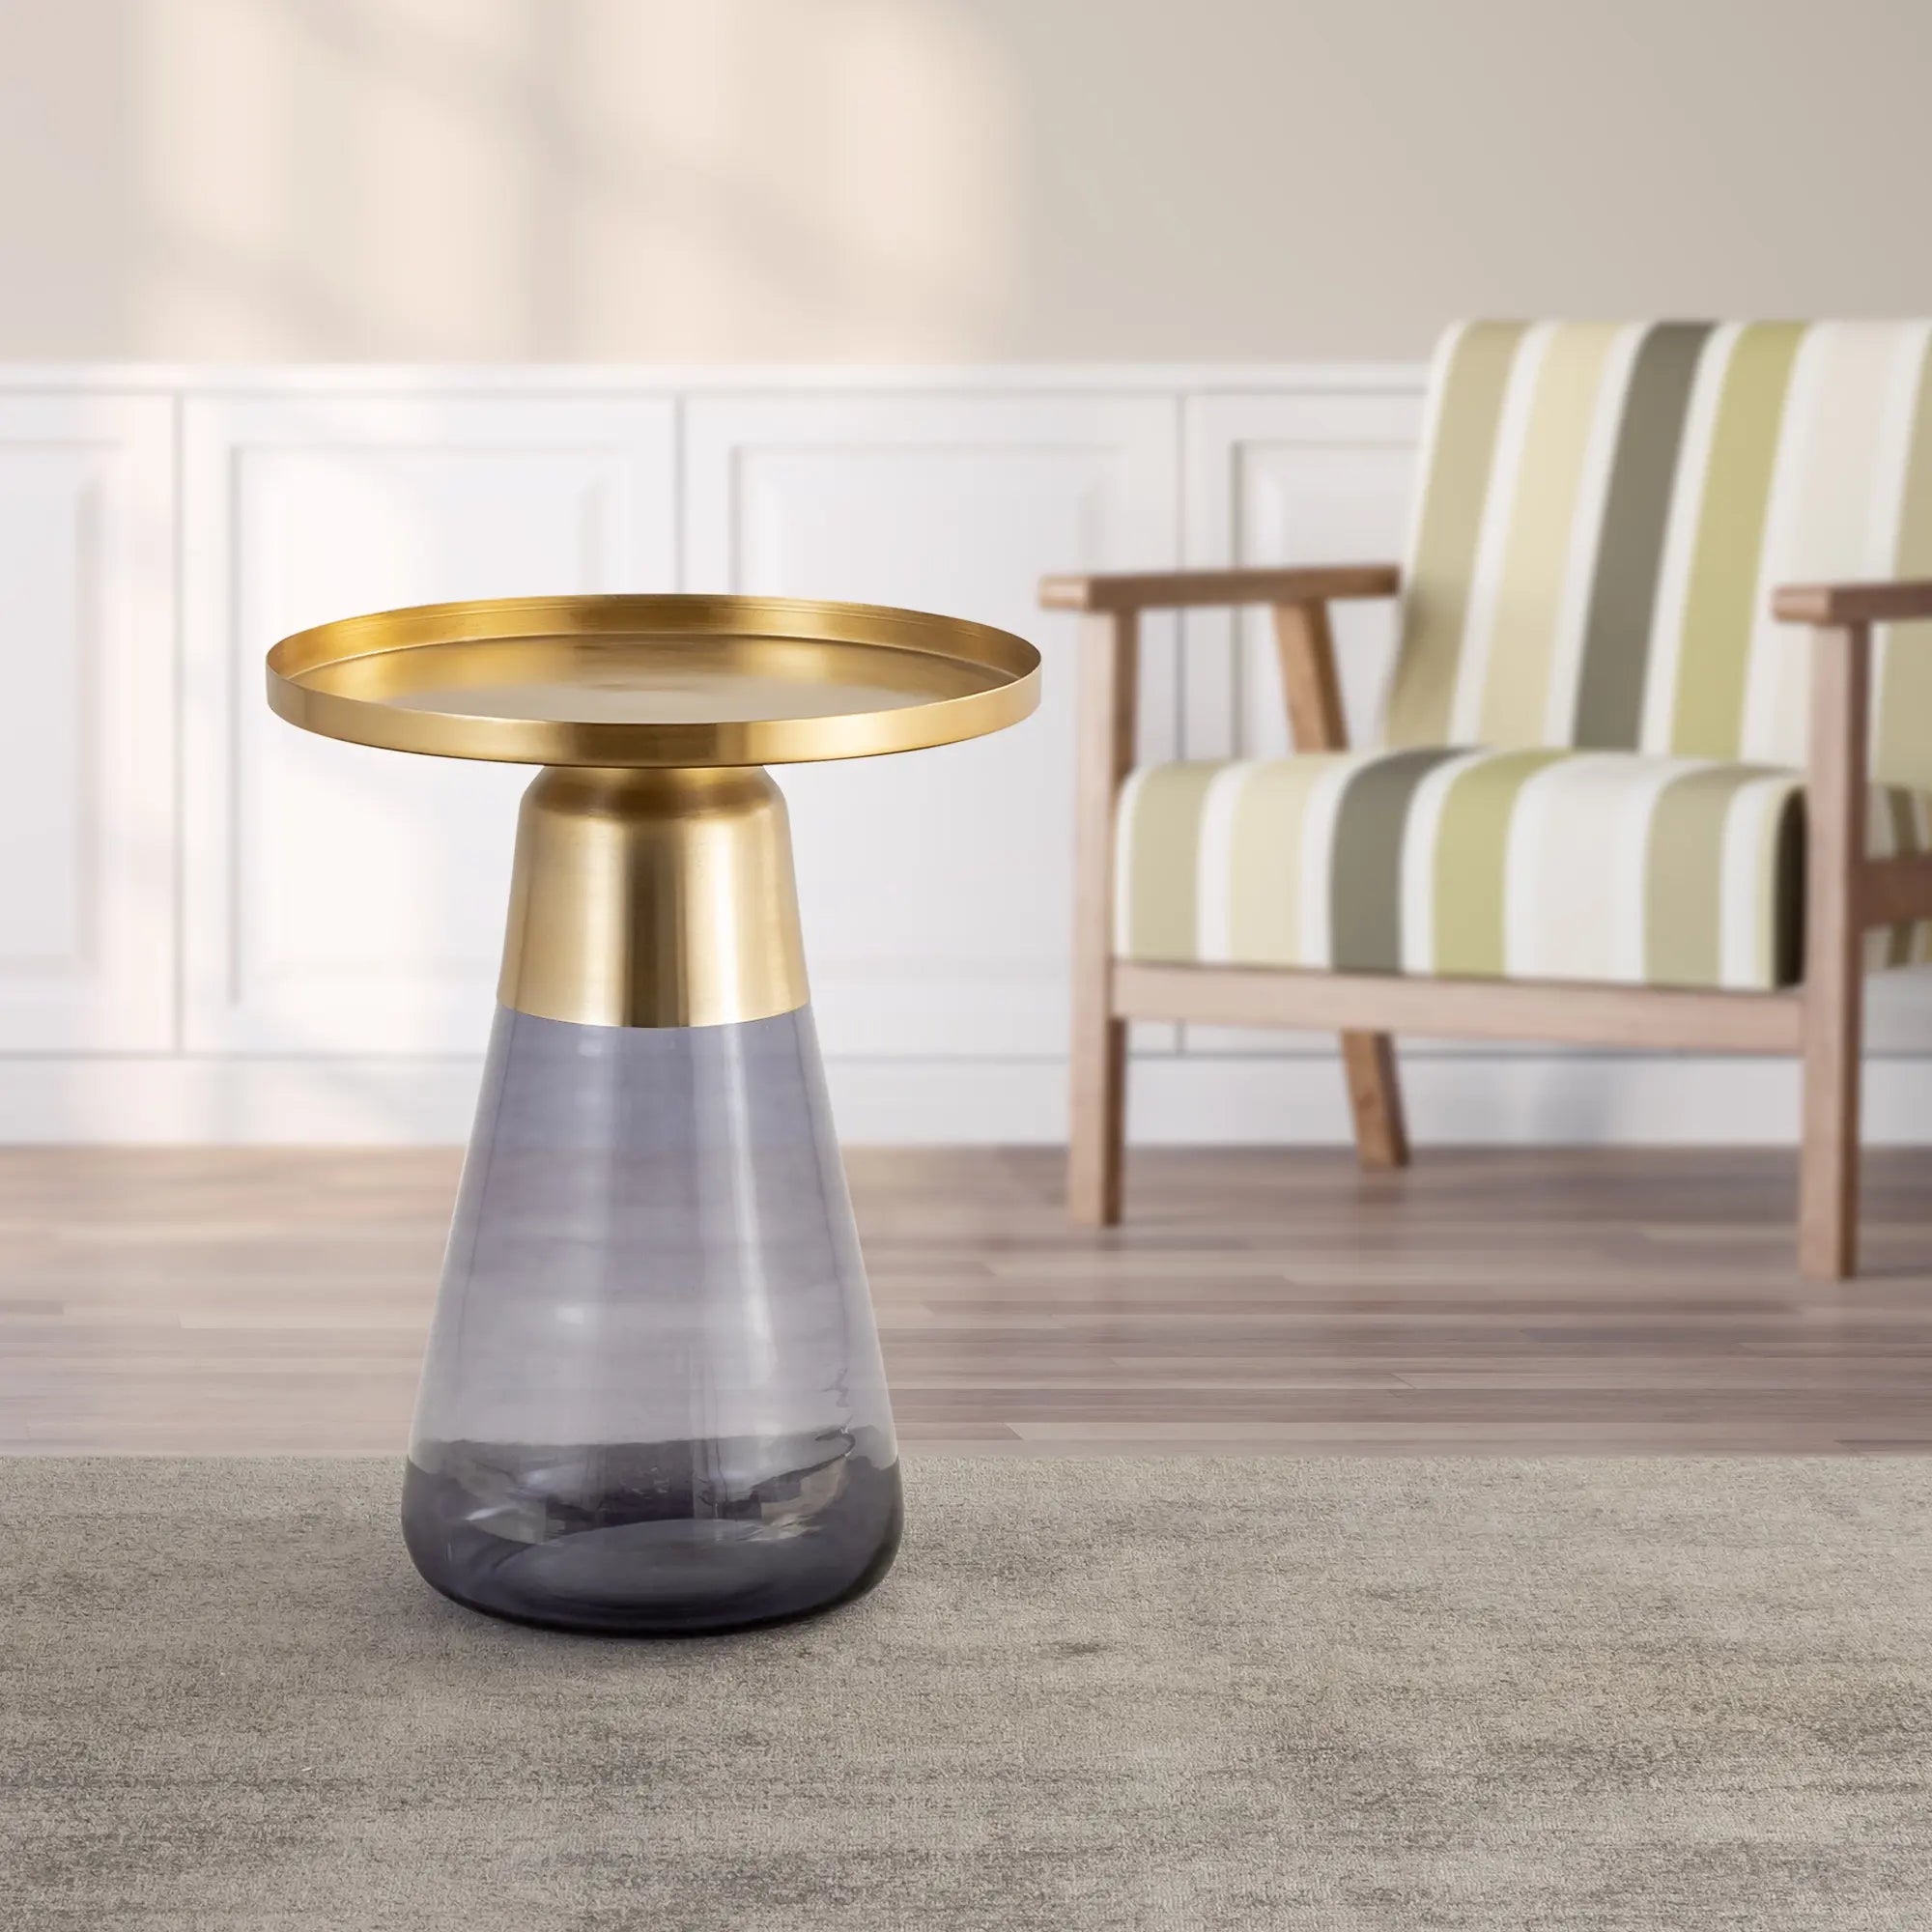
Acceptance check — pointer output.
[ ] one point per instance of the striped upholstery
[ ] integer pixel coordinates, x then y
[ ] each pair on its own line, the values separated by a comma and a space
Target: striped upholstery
1531, 864
1604, 512
1607, 508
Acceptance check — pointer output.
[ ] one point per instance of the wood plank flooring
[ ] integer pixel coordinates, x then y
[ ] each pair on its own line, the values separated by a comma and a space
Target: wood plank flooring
184, 1300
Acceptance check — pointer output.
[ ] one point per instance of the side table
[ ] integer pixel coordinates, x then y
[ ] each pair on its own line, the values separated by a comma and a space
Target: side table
653, 1400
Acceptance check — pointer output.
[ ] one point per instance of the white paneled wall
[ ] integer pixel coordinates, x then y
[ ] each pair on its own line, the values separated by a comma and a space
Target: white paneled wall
88, 846
340, 899
1311, 479
216, 927
934, 888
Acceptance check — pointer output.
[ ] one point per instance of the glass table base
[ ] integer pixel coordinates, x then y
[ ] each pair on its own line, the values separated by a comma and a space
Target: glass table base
657, 1538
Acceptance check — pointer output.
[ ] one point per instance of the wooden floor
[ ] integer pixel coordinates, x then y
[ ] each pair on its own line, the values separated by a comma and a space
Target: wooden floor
276, 1300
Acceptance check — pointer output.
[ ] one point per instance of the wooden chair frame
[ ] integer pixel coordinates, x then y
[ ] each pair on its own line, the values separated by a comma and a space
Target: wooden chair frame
1821, 1019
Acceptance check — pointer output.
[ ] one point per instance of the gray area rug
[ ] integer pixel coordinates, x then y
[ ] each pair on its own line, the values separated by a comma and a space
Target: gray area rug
1183, 1694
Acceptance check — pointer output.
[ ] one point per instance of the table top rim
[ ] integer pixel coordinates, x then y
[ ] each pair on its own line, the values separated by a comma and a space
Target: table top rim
956, 678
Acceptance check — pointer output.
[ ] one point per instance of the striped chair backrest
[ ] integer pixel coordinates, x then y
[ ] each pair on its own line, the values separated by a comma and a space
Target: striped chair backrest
1606, 507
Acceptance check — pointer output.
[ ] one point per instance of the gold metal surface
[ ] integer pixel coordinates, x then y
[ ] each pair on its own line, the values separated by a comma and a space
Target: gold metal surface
653, 898
643, 681
653, 880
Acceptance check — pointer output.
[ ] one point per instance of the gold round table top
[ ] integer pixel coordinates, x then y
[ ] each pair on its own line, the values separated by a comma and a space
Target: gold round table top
653, 680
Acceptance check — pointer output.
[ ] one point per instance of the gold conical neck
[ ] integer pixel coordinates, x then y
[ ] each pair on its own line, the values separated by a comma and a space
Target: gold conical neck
653, 898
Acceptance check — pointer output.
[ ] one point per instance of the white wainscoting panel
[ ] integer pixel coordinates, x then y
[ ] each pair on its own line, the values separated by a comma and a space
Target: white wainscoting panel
935, 885
87, 731
341, 899
1290, 479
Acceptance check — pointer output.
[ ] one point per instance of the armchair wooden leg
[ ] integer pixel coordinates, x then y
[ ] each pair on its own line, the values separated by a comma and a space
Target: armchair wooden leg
1098, 1129
1834, 857
1828, 1156
1375, 1099
1097, 1122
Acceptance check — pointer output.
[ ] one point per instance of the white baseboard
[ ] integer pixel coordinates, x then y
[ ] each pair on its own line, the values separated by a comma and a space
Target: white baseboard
1453, 1100
1478, 1098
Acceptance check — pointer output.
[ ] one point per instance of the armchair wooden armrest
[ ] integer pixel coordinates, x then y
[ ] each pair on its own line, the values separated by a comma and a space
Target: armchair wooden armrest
1300, 594
1172, 590
1877, 892
1846, 606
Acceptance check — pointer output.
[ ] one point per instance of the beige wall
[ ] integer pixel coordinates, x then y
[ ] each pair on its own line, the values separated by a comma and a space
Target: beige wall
922, 180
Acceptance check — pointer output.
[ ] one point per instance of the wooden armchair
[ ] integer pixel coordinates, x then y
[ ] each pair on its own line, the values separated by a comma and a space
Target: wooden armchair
1611, 802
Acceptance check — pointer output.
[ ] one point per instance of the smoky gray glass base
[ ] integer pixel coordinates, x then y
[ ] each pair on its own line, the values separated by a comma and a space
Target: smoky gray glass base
653, 1401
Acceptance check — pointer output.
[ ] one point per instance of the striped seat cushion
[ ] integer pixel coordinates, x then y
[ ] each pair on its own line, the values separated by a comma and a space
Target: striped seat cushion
1532, 863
